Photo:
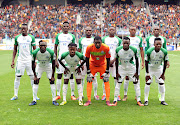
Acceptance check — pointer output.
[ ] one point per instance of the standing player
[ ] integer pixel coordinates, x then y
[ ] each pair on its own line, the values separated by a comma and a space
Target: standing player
150, 43
100, 55
83, 43
46, 63
150, 40
155, 56
135, 41
62, 41
113, 42
126, 54
72, 58
24, 42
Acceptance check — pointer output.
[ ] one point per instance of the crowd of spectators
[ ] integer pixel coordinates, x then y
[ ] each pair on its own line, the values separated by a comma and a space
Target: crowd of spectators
45, 21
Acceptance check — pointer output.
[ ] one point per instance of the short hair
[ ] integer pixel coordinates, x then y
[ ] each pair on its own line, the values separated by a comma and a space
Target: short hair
126, 38
157, 39
40, 41
24, 24
97, 38
66, 22
72, 44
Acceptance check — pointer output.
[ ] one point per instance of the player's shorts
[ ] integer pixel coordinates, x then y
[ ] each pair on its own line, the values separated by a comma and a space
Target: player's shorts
156, 72
47, 69
60, 69
123, 72
95, 69
84, 72
112, 70
72, 71
21, 66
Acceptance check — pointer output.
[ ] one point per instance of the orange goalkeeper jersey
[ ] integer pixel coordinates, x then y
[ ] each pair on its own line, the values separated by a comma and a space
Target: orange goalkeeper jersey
98, 56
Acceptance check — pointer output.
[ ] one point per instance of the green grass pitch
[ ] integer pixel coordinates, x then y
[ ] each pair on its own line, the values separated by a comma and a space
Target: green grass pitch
18, 111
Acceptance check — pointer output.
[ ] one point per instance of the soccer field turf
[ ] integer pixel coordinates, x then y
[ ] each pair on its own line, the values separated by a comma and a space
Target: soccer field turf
18, 111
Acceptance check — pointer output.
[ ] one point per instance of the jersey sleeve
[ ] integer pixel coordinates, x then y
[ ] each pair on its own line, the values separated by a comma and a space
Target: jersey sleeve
15, 42
88, 49
166, 58
63, 55
56, 39
81, 57
33, 43
119, 40
103, 39
164, 44
74, 39
147, 45
140, 44
53, 57
34, 53
108, 53
80, 44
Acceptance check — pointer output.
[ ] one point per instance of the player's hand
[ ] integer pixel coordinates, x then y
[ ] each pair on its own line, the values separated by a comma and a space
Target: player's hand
148, 77
52, 79
118, 76
142, 65
82, 68
168, 65
111, 63
89, 76
77, 70
136, 77
57, 64
66, 71
12, 64
35, 78
162, 76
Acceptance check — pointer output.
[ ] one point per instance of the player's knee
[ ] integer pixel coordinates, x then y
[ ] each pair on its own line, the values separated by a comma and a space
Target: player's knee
66, 81
78, 81
51, 82
71, 76
59, 76
127, 78
135, 82
161, 83
148, 83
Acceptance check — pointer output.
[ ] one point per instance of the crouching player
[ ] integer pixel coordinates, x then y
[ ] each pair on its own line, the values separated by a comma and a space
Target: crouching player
127, 68
72, 58
155, 56
100, 54
46, 63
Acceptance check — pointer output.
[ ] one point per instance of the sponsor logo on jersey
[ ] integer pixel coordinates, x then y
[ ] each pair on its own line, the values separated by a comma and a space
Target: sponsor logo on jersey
68, 38
47, 57
28, 41
76, 61
130, 55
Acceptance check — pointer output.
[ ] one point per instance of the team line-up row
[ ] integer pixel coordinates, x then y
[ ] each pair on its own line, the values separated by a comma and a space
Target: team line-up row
110, 55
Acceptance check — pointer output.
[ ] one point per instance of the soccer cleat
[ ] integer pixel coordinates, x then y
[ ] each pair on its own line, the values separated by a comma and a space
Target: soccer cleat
125, 98
73, 97
140, 103
58, 97
14, 98
119, 98
87, 103
55, 103
81, 102
108, 103
32, 103
163, 103
114, 103
37, 98
146, 103
63, 103
96, 97
103, 97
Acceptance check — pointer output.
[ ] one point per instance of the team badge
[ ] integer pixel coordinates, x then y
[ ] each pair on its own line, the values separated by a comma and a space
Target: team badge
97, 58
160, 56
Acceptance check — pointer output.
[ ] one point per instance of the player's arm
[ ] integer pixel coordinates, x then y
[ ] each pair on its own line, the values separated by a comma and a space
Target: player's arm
33, 68
146, 66
80, 45
117, 64
137, 66
165, 47
55, 50
147, 45
165, 65
53, 59
142, 52
108, 64
14, 55
87, 63
33, 43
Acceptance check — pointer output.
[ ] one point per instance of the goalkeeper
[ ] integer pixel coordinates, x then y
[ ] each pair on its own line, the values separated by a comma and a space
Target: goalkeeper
99, 62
